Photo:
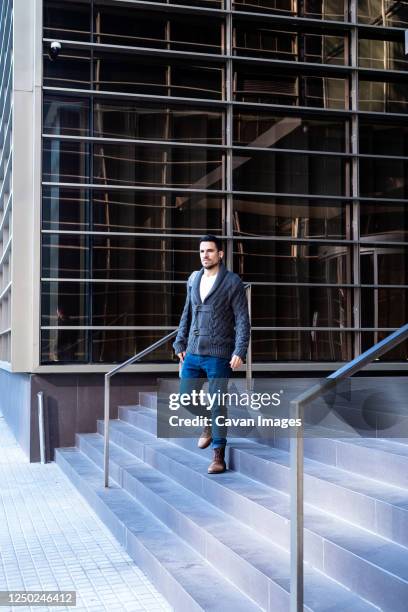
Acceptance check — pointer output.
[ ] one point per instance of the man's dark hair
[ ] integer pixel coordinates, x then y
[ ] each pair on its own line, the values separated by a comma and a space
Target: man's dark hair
212, 238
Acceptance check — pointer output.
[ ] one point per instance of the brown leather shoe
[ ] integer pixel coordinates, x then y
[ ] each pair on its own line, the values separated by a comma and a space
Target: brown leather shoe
218, 464
205, 438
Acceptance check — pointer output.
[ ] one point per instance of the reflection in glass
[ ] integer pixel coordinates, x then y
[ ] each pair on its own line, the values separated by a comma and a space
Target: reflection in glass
64, 208
390, 307
259, 40
66, 116
287, 262
303, 218
384, 221
128, 119
289, 173
314, 9
291, 306
65, 161
137, 304
263, 129
130, 211
64, 304
290, 89
134, 74
136, 164
270, 346
383, 265
64, 256
116, 346
132, 258
399, 353
330, 10
383, 138
383, 178
382, 54
378, 12
274, 6
67, 20
125, 26
64, 346
71, 70
382, 97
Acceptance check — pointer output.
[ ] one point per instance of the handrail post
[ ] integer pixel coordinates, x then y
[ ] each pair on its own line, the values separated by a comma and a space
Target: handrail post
40, 398
248, 289
296, 512
106, 429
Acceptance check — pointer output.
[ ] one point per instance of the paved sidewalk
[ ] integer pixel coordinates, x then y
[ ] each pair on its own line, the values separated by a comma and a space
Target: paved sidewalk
50, 539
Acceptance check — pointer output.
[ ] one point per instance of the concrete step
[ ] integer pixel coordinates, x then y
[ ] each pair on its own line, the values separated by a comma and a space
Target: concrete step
384, 460
362, 561
183, 576
243, 556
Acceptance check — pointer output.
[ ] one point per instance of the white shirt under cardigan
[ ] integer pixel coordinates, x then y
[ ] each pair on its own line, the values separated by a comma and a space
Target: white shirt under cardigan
206, 285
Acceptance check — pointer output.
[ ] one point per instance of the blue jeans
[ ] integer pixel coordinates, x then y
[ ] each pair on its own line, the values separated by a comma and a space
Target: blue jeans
217, 370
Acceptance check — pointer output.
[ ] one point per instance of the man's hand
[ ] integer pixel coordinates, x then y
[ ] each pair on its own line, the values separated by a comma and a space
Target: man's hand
236, 362
181, 356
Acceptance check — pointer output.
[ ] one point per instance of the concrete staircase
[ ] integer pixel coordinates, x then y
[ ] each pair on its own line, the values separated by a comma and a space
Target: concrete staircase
221, 542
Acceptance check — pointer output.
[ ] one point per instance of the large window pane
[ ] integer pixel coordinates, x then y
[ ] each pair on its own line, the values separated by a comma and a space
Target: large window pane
315, 9
272, 87
336, 10
389, 307
64, 304
384, 221
65, 209
383, 178
129, 119
65, 161
275, 346
382, 54
301, 306
262, 129
137, 304
383, 97
263, 216
136, 28
383, 138
129, 211
399, 353
145, 258
116, 346
383, 265
66, 116
378, 12
287, 262
65, 256
67, 20
133, 164
134, 74
71, 69
64, 346
259, 40
289, 173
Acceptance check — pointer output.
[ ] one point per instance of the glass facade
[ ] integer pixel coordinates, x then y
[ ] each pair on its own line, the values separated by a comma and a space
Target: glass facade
6, 179
280, 126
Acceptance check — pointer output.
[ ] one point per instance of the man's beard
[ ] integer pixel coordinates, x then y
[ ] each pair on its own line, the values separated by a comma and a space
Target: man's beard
210, 266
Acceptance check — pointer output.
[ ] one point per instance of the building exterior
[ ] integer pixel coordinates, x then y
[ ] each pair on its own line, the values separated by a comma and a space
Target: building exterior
276, 124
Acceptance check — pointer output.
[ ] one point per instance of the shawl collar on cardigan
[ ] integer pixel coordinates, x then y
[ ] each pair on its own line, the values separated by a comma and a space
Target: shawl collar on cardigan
196, 283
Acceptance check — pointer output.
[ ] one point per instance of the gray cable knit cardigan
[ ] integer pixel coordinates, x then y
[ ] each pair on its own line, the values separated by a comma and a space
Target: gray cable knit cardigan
220, 325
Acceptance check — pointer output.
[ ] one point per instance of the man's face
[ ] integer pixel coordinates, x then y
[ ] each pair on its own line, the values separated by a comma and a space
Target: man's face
209, 255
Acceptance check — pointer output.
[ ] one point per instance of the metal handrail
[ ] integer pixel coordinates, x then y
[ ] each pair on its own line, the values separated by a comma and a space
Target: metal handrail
297, 457
108, 376
139, 356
